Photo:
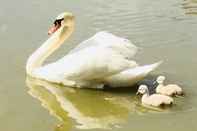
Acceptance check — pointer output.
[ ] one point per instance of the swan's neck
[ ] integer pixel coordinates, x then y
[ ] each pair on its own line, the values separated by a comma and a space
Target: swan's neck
49, 46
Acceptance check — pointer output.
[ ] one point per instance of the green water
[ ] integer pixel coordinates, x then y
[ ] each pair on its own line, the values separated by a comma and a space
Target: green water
164, 29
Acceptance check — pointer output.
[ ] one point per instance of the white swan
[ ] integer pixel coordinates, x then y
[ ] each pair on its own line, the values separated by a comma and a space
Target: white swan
154, 99
102, 59
169, 90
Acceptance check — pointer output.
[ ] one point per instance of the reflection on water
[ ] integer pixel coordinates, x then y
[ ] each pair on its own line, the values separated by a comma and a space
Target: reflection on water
89, 108
190, 6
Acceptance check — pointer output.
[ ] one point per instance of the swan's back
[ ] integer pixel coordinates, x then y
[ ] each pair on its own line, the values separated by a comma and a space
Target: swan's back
108, 40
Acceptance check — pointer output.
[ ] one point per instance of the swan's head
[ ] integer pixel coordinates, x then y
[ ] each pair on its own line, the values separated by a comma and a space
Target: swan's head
143, 89
63, 19
160, 79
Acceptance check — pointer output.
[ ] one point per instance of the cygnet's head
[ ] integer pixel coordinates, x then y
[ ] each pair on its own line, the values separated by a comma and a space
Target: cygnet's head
142, 89
160, 79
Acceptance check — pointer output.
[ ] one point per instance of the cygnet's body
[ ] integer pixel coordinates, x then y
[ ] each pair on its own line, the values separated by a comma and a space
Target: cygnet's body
154, 99
169, 90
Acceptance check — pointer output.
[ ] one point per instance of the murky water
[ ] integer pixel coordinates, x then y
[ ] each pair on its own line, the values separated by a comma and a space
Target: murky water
164, 29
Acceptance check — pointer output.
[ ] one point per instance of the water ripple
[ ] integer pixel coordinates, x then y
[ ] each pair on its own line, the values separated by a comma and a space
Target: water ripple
190, 7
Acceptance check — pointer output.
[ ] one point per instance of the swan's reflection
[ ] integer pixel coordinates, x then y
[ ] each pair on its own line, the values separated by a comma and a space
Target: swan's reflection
89, 108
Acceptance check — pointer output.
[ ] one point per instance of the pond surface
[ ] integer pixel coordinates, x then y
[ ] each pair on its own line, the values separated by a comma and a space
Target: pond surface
164, 29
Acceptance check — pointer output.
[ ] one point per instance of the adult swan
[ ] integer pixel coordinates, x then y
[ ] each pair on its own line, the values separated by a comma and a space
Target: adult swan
102, 59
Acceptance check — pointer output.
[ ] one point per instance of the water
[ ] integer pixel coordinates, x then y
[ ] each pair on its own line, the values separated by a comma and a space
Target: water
165, 30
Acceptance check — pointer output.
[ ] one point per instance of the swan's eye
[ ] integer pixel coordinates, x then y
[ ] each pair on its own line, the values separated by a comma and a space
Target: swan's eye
58, 22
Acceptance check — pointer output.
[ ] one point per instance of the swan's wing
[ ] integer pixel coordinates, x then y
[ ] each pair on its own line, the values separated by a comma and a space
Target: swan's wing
108, 40
102, 55
88, 64
131, 76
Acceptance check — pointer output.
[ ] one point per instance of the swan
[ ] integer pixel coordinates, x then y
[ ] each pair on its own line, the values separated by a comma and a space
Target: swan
154, 99
102, 59
169, 90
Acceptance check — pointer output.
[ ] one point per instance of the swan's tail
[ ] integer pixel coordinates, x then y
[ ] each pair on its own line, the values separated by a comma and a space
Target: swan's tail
144, 70
131, 76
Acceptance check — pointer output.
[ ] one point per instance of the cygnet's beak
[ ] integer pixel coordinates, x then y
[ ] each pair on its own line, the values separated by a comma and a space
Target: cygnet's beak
155, 82
138, 93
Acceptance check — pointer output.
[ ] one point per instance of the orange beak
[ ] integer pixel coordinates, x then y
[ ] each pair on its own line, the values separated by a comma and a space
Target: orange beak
53, 29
